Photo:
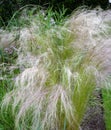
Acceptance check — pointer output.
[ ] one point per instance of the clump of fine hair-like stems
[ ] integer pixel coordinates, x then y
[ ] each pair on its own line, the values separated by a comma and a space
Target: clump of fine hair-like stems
53, 93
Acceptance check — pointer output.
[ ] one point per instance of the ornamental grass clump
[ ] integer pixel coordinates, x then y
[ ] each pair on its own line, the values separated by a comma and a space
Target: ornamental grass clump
53, 92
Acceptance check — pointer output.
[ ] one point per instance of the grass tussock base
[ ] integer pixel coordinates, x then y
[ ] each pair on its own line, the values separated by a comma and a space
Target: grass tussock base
53, 91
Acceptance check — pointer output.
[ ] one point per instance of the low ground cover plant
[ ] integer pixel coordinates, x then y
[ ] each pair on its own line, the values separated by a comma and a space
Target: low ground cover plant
107, 107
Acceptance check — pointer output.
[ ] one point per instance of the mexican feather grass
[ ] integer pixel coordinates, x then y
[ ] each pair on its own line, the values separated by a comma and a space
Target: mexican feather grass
52, 93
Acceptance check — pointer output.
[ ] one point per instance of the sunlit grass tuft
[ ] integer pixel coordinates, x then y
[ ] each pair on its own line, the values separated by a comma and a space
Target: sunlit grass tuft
57, 89
53, 91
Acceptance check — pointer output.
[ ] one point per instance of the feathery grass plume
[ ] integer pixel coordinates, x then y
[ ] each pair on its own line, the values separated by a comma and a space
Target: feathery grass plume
53, 91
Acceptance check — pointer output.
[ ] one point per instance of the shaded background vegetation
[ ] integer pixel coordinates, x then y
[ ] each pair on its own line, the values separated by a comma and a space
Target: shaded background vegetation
8, 7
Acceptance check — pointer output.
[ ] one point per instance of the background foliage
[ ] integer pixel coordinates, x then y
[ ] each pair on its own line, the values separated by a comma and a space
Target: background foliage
8, 7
